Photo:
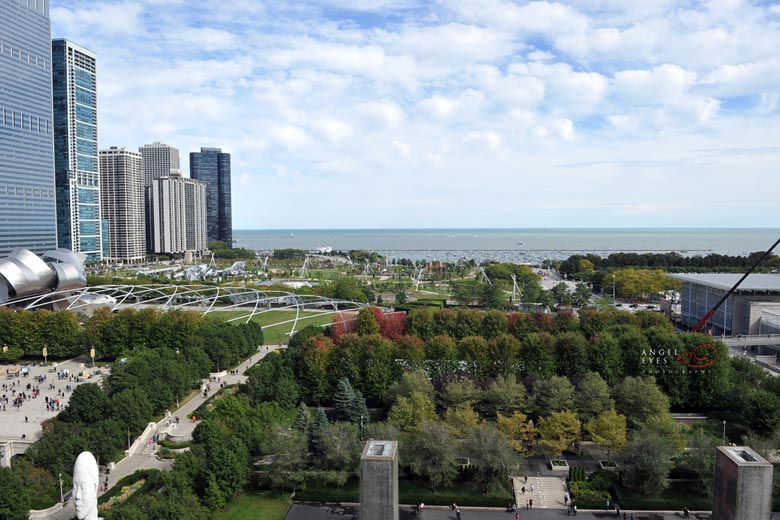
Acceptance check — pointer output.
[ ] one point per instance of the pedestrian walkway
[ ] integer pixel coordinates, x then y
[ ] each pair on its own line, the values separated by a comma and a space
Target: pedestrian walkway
546, 492
145, 458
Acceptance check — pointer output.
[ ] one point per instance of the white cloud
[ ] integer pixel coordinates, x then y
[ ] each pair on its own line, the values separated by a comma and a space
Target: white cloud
474, 100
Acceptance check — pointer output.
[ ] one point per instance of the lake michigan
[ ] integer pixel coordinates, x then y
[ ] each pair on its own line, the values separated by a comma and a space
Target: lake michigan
514, 245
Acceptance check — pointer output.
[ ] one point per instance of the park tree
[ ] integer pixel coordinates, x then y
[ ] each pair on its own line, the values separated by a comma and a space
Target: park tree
707, 389
551, 395
473, 351
504, 350
638, 398
379, 370
561, 295
289, 449
493, 453
646, 463
272, 379
494, 324
430, 455
367, 322
411, 381
633, 347
315, 372
409, 413
339, 444
592, 396
763, 411
571, 351
468, 323
558, 432
445, 323
504, 394
420, 323
672, 378
459, 391
518, 430
14, 498
700, 457
87, 404
303, 418
565, 321
491, 296
344, 401
318, 424
608, 429
410, 349
460, 419
536, 355
582, 294
605, 358
664, 425
442, 357
593, 321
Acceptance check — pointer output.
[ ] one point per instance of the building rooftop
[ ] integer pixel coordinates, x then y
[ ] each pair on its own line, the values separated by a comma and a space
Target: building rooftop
725, 281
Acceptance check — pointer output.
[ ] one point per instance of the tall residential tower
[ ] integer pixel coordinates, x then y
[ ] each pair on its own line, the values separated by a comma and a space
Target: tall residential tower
76, 150
212, 167
27, 200
160, 160
122, 203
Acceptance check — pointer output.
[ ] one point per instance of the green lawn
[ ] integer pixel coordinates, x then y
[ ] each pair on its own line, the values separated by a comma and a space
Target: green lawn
275, 334
252, 504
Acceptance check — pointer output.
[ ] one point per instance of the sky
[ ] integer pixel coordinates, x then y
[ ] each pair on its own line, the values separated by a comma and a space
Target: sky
458, 113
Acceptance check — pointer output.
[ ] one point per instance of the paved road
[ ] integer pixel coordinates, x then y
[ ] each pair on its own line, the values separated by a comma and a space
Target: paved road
306, 512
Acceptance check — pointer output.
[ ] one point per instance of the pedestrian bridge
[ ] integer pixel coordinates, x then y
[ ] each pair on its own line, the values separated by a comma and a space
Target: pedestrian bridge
11, 448
750, 340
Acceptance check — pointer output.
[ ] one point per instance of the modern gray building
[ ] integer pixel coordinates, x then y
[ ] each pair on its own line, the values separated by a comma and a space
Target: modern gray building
742, 485
751, 309
177, 215
160, 160
27, 196
122, 203
212, 167
74, 84
379, 480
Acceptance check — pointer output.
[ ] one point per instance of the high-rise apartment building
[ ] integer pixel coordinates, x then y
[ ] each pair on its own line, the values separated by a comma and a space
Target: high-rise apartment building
74, 85
177, 213
27, 200
122, 203
160, 160
212, 167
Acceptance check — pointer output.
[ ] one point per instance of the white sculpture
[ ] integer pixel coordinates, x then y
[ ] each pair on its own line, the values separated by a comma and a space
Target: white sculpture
85, 486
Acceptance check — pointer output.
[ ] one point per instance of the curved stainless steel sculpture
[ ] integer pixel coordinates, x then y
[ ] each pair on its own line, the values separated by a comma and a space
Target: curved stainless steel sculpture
24, 274
207, 299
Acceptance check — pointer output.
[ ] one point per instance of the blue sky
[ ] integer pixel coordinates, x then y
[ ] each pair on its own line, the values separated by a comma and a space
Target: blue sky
460, 113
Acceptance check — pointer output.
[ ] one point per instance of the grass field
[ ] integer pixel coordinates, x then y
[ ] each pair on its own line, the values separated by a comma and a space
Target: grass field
275, 334
253, 504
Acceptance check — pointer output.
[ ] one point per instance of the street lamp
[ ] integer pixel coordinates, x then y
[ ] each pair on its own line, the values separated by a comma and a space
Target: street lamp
62, 499
613, 289
128, 440
724, 431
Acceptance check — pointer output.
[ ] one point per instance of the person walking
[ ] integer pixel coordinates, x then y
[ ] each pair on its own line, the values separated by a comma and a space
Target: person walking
532, 488
574, 508
457, 514
686, 512
607, 506
565, 498
523, 490
531, 504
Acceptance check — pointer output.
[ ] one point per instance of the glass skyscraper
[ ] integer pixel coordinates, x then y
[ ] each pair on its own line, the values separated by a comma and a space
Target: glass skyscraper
27, 200
212, 166
77, 180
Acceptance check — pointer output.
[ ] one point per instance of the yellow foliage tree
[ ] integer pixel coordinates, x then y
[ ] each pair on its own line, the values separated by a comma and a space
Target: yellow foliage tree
460, 419
518, 430
608, 429
558, 431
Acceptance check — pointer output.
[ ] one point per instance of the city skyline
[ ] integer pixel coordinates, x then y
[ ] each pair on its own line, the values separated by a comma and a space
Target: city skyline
402, 114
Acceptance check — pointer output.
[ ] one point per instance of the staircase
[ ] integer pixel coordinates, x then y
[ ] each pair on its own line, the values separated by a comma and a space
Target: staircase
547, 492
